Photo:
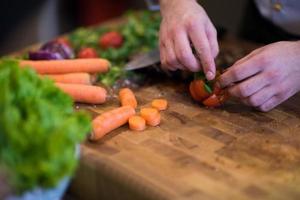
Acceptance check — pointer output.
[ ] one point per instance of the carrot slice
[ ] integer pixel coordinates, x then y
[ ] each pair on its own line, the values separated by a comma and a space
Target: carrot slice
110, 120
155, 121
159, 104
77, 78
151, 115
127, 98
84, 93
89, 65
137, 123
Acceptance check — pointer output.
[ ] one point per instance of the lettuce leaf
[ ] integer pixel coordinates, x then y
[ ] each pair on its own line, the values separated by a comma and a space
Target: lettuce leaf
38, 129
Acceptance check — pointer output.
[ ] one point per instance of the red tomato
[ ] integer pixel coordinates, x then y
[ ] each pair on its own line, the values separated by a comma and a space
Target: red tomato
212, 101
87, 52
64, 40
197, 90
111, 39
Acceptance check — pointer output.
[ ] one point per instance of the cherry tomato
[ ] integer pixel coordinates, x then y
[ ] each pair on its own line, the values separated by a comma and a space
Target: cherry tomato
87, 52
111, 39
212, 101
198, 90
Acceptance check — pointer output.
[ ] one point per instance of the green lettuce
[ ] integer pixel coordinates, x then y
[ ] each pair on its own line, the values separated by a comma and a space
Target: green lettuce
39, 129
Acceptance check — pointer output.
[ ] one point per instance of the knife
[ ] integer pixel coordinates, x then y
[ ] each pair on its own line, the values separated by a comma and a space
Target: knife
144, 60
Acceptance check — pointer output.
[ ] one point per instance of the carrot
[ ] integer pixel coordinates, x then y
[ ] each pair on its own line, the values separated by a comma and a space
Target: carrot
84, 93
77, 78
110, 120
92, 65
127, 98
155, 121
159, 104
137, 123
151, 115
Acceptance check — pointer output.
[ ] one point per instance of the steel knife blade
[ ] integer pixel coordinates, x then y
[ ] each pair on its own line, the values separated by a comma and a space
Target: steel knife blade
144, 60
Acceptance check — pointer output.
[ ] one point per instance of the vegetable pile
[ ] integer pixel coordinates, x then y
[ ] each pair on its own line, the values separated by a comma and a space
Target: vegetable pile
118, 44
39, 129
113, 119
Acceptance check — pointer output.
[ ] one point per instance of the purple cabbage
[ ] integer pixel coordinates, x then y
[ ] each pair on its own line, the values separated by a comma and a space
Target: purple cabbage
44, 55
52, 50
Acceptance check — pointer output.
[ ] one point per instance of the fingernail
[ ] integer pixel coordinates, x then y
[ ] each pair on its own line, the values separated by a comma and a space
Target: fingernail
209, 75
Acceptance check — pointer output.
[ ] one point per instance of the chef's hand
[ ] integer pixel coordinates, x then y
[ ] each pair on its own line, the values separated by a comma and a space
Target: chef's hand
266, 77
184, 22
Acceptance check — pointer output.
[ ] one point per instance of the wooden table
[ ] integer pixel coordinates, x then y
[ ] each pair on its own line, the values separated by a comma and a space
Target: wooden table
233, 152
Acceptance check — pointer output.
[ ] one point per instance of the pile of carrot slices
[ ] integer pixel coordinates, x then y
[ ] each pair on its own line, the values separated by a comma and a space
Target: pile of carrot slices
117, 117
73, 76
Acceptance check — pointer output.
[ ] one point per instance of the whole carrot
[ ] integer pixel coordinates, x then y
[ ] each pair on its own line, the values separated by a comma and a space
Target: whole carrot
89, 65
127, 97
84, 93
75, 78
110, 120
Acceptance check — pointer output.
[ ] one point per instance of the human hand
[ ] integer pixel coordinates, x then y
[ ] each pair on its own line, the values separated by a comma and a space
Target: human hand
185, 23
266, 77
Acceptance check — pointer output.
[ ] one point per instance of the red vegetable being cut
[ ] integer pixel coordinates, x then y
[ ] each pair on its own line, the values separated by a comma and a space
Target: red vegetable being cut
207, 93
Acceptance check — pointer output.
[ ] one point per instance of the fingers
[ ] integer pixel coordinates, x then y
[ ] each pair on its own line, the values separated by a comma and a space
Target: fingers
239, 72
170, 54
271, 103
184, 52
249, 86
202, 46
260, 97
212, 39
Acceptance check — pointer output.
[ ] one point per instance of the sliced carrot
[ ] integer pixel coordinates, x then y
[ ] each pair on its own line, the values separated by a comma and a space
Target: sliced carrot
89, 65
155, 121
84, 93
151, 115
77, 78
159, 104
110, 120
127, 98
137, 123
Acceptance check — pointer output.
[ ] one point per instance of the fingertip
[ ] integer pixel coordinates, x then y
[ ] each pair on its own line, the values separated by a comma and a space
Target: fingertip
210, 75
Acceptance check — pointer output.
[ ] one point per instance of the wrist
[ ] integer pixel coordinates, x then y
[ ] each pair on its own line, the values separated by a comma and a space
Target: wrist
166, 5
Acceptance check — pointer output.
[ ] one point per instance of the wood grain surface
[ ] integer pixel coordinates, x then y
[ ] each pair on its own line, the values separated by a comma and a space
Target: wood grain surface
232, 152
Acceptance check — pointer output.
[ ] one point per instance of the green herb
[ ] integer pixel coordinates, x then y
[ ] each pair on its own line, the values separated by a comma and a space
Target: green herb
140, 34
38, 129
207, 88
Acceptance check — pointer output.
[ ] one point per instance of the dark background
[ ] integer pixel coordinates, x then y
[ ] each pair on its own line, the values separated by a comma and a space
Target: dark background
25, 22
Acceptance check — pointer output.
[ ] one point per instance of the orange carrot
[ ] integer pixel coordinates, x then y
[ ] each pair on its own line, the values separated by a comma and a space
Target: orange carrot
159, 104
110, 120
77, 78
151, 115
84, 93
91, 65
137, 123
127, 98
155, 121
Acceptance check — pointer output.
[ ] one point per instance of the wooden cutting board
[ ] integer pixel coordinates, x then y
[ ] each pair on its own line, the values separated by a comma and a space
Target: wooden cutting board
232, 152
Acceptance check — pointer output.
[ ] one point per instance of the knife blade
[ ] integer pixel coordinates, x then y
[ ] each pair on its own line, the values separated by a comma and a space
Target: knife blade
144, 60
